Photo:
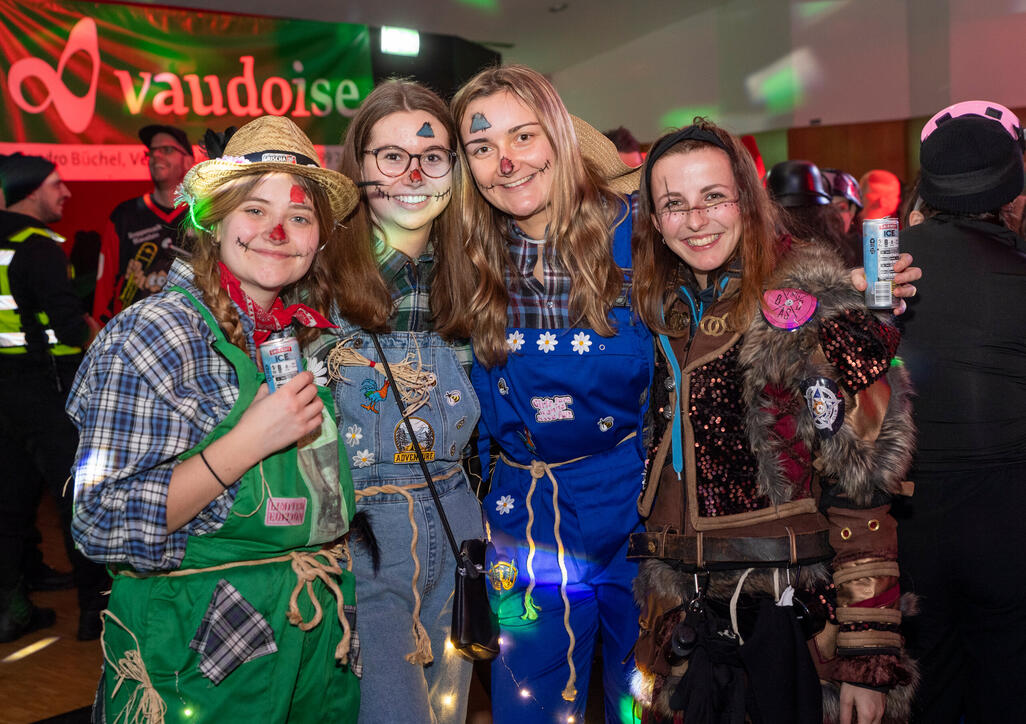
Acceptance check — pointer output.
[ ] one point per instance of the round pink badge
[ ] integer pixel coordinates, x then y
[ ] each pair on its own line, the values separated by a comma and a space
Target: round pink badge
788, 308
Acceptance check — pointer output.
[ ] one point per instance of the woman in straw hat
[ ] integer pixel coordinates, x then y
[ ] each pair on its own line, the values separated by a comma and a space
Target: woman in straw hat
768, 496
399, 145
213, 500
563, 372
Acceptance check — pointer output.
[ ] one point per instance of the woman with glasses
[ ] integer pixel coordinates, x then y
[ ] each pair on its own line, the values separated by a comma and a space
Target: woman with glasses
399, 149
768, 533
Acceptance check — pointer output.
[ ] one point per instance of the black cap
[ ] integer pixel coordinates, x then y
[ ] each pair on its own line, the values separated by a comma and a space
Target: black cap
21, 175
970, 165
146, 134
797, 183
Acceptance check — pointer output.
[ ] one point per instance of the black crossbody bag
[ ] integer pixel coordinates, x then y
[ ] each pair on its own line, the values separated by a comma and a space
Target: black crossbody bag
475, 628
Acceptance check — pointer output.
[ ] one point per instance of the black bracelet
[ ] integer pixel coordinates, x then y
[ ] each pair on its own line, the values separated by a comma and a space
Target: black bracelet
207, 463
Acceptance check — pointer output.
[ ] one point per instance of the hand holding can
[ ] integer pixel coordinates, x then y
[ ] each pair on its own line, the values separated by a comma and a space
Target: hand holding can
879, 252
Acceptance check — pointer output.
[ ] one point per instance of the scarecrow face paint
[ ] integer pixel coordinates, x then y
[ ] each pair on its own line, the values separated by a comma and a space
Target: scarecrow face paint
406, 205
511, 159
696, 210
269, 240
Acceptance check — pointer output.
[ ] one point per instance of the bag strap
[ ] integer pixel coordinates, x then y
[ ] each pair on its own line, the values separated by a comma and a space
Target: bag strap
463, 561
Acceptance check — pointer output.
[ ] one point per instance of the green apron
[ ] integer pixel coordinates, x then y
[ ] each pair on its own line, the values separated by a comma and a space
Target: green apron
307, 501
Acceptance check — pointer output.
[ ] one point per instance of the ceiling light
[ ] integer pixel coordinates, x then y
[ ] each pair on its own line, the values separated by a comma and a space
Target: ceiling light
400, 41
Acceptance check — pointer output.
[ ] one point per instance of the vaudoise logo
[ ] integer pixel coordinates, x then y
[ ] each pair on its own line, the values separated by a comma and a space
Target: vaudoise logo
167, 94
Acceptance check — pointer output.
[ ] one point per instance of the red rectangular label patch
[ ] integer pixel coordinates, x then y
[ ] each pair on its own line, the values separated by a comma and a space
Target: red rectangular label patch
285, 511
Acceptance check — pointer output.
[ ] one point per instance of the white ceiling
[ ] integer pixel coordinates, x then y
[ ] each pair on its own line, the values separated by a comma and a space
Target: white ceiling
523, 31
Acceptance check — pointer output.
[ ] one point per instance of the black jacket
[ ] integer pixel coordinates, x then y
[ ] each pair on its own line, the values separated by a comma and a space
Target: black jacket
964, 342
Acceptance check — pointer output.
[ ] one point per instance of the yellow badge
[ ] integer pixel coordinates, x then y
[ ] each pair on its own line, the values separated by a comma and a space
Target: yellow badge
503, 575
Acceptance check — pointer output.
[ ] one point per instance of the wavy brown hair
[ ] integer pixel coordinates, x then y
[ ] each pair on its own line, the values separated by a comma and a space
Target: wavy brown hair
657, 269
369, 304
582, 210
207, 215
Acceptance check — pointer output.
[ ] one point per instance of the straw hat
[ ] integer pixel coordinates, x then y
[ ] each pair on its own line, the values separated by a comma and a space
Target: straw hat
603, 154
270, 144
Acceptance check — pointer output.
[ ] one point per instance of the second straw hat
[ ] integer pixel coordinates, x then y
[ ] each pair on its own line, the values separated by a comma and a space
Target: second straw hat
271, 144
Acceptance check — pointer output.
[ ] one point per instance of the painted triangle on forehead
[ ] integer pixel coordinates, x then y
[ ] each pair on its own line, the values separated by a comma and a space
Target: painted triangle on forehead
426, 131
479, 123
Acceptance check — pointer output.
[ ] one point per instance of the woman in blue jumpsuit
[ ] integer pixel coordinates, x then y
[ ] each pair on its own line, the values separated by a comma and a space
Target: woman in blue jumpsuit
562, 371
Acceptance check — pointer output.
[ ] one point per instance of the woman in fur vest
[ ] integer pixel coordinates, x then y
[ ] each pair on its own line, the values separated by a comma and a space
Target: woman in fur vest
768, 564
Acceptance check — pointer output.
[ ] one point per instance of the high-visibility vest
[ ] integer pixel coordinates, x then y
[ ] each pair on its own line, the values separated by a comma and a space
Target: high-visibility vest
12, 338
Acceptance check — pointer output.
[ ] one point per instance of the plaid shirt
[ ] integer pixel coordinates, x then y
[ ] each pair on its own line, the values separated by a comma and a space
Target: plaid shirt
151, 387
534, 304
409, 281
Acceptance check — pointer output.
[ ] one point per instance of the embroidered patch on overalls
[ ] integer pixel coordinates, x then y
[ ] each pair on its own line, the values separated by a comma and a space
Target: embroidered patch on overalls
452, 450
515, 340
363, 458
453, 397
404, 445
553, 409
788, 308
825, 403
354, 433
318, 369
504, 504
547, 342
285, 511
503, 574
503, 387
231, 633
605, 424
374, 392
525, 436
581, 343
461, 422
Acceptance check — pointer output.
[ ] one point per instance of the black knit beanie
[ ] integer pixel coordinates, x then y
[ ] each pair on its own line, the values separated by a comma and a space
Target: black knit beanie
970, 165
21, 175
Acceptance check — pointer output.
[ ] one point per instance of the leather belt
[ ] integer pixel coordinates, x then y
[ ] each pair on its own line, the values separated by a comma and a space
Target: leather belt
706, 551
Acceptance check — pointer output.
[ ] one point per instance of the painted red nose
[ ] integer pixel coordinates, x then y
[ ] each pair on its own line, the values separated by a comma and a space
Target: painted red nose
415, 176
505, 166
278, 233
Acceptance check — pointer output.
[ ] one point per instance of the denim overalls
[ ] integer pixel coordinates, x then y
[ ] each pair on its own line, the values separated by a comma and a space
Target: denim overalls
417, 566
567, 410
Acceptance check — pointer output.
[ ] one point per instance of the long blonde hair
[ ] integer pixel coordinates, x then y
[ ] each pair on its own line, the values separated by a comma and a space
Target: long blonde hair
582, 210
208, 214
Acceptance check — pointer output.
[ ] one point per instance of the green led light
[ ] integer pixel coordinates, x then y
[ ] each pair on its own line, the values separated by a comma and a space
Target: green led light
187, 711
400, 41
782, 91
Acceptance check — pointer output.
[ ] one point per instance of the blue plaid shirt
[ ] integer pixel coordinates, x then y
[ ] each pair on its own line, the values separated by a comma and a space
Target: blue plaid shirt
150, 388
536, 304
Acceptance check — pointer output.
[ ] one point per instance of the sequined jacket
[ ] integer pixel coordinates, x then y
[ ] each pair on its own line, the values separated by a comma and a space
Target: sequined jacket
783, 443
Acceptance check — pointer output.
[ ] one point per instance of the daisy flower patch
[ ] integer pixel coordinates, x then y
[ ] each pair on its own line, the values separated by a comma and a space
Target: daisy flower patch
547, 342
319, 371
581, 343
504, 504
515, 340
363, 459
354, 433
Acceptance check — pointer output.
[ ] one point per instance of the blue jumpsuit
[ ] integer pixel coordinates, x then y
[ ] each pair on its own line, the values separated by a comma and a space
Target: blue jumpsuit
567, 410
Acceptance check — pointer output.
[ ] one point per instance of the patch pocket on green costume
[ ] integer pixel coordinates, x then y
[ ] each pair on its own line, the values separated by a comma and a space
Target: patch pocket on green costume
232, 632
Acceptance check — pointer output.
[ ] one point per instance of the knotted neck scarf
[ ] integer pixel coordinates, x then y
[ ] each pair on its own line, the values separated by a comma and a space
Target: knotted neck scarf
274, 319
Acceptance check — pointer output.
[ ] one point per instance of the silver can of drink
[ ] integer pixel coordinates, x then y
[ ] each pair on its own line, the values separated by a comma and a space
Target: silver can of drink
281, 358
879, 252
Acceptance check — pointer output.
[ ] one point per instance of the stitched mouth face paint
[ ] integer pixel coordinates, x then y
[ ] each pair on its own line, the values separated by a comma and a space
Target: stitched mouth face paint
426, 131
523, 179
382, 194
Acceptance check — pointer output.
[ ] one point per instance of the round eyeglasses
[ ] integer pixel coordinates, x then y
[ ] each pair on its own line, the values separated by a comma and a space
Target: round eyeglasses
394, 161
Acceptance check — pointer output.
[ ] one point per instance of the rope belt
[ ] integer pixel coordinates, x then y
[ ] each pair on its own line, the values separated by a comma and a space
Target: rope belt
538, 469
421, 654
146, 705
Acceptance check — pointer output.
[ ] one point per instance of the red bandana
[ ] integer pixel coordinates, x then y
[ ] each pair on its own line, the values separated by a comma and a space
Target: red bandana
277, 317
